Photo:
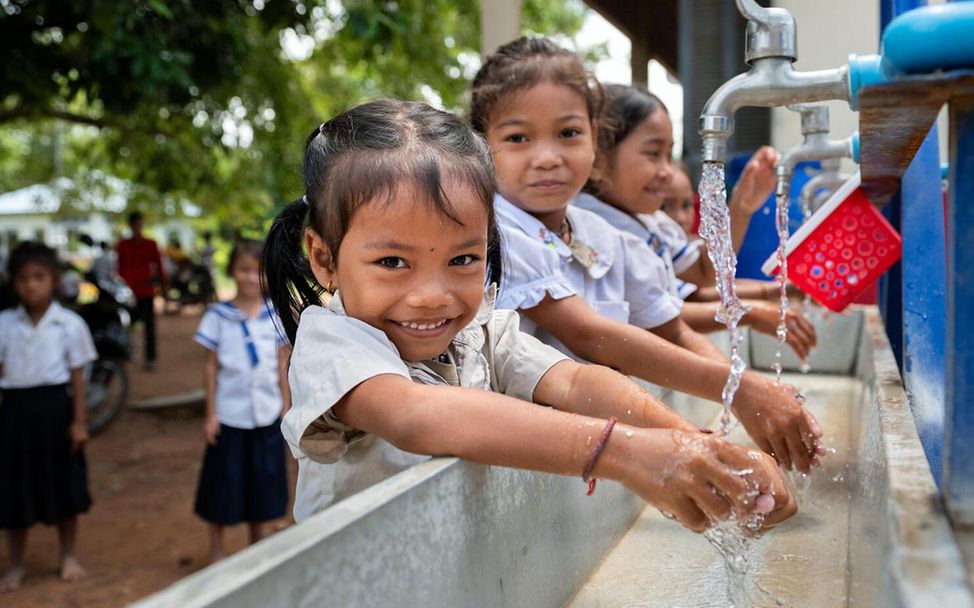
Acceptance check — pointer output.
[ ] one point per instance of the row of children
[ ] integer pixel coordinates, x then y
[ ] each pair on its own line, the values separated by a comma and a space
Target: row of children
378, 274
398, 352
44, 348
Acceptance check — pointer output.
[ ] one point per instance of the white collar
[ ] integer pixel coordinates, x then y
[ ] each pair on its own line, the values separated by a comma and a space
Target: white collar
53, 314
530, 225
534, 228
229, 311
615, 216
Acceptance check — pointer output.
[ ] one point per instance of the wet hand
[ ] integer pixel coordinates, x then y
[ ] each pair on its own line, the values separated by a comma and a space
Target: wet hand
78, 433
211, 428
757, 180
773, 416
700, 479
764, 317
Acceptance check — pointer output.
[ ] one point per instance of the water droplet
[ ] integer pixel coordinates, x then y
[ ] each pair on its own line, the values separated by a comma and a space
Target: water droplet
628, 433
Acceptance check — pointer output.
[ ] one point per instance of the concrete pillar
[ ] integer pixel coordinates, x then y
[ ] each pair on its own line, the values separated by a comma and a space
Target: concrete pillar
639, 63
500, 22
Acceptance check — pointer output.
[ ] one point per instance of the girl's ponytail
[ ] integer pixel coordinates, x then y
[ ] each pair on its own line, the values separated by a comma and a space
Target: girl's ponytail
286, 273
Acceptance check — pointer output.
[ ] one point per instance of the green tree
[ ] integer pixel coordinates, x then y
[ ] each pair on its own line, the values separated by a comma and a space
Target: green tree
211, 101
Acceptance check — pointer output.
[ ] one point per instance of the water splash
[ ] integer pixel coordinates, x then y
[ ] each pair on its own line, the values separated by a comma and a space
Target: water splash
732, 539
781, 223
715, 228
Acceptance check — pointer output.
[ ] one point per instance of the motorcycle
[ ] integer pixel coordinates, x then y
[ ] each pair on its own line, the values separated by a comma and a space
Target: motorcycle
190, 283
106, 304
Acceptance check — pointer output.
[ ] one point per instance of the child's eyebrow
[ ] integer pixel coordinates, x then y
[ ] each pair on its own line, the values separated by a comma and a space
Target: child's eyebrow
388, 244
474, 242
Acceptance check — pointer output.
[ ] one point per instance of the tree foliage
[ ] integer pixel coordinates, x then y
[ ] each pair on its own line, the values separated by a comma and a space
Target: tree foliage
211, 101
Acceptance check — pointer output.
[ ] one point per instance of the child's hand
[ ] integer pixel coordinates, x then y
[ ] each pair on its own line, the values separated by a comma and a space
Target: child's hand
757, 181
699, 479
211, 428
78, 432
764, 317
773, 416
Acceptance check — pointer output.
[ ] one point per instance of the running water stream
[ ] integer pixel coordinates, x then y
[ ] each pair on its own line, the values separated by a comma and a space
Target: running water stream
715, 228
781, 223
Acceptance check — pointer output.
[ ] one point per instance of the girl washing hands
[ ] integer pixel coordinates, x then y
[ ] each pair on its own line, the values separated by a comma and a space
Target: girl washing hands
398, 355
632, 176
537, 106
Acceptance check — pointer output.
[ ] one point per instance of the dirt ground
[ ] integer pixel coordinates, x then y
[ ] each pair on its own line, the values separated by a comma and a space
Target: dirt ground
140, 535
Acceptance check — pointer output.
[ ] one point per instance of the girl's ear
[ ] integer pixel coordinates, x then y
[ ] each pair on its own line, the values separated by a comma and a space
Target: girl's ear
323, 265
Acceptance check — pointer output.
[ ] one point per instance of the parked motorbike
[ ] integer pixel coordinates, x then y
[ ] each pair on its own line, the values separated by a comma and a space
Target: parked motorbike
190, 283
106, 304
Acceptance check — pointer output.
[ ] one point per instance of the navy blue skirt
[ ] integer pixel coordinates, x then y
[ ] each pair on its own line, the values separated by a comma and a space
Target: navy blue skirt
244, 478
41, 479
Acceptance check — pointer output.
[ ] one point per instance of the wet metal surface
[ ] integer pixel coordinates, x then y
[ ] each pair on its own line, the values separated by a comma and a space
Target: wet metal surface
802, 563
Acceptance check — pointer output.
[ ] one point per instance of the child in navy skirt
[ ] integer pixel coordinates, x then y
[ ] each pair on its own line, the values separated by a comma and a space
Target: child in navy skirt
43, 351
243, 477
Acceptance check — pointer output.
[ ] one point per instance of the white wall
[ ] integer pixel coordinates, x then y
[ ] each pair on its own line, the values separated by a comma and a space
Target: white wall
828, 30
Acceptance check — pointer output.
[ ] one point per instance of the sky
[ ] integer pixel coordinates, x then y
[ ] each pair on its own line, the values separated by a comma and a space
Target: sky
615, 69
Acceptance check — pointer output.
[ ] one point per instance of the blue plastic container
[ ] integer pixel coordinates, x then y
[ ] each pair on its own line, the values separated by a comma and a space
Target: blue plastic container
937, 37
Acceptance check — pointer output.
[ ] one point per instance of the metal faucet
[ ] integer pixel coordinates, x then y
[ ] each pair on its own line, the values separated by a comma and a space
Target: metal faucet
828, 178
816, 145
772, 81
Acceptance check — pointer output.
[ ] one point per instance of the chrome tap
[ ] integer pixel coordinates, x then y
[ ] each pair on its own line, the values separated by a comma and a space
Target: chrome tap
772, 81
828, 179
816, 145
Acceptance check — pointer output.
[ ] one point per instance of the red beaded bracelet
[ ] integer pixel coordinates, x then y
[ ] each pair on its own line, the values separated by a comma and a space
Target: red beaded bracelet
596, 452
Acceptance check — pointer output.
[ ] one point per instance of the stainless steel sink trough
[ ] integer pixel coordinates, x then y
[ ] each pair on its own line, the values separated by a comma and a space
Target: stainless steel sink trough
871, 531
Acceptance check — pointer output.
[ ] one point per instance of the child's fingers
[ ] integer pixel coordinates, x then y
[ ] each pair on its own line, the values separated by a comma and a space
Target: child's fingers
715, 505
780, 450
800, 455
688, 513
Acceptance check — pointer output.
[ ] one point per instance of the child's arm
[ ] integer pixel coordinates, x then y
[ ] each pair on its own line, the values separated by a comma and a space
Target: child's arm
756, 183
674, 470
677, 331
747, 289
762, 317
771, 414
599, 392
283, 353
211, 424
79, 424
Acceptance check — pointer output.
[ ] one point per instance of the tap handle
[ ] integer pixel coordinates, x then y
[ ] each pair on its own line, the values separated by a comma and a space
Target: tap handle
753, 11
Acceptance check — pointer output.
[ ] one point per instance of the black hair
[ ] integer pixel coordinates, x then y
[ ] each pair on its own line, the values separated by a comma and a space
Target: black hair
32, 252
242, 246
523, 63
361, 155
135, 216
626, 107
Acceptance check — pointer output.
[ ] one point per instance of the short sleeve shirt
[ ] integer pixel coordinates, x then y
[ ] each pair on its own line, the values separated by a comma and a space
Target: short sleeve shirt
618, 284
661, 239
334, 353
248, 392
43, 354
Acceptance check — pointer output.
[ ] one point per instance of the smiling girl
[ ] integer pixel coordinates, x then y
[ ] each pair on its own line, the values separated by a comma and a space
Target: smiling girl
573, 276
379, 276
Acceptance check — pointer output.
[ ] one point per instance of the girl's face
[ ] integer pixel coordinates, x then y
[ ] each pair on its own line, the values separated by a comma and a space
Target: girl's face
35, 285
543, 143
408, 270
246, 274
678, 203
636, 174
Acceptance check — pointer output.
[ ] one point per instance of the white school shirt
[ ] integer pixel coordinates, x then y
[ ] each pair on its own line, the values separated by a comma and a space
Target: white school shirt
334, 353
646, 228
623, 284
43, 354
248, 391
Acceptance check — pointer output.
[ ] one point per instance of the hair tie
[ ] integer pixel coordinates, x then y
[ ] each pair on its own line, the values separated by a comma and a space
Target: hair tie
304, 199
321, 129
